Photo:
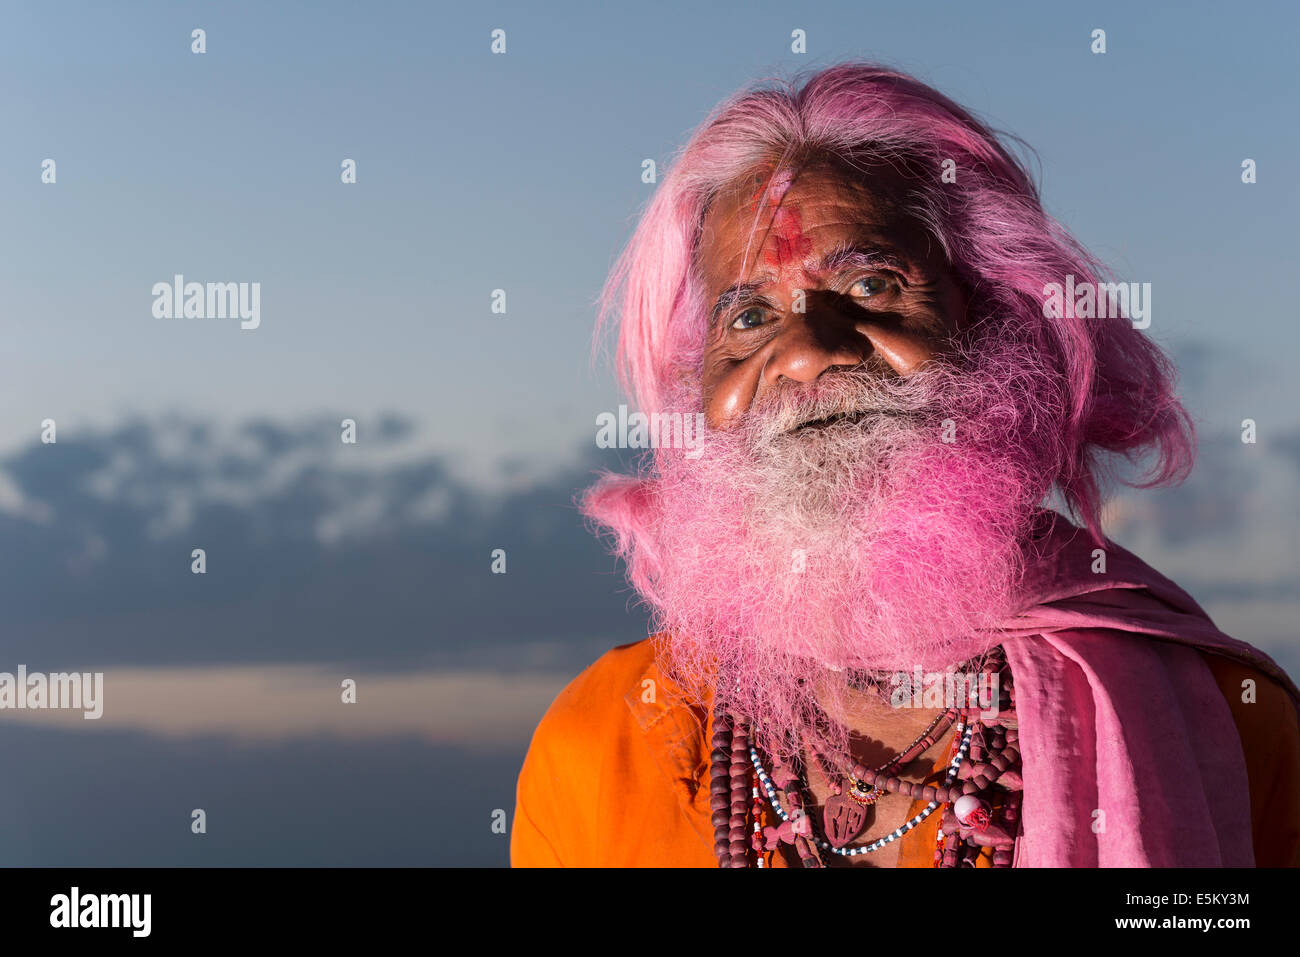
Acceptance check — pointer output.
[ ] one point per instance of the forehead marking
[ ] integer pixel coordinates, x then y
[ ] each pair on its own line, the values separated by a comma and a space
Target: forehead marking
787, 242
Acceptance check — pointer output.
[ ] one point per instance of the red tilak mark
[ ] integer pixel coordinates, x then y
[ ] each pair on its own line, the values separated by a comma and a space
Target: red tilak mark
787, 242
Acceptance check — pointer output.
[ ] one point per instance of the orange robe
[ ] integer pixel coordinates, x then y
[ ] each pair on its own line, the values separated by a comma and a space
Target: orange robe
617, 774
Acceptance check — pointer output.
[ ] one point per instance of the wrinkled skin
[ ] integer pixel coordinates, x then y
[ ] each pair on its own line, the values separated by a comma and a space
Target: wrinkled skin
892, 312
902, 310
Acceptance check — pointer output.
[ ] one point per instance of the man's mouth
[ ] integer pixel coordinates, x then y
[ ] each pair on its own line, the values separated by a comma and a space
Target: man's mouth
847, 417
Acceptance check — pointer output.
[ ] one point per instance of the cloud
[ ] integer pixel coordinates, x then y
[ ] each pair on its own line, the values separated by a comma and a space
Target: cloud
17, 503
375, 554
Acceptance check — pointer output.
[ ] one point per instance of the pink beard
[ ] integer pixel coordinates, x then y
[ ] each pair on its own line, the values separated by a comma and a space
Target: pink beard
780, 560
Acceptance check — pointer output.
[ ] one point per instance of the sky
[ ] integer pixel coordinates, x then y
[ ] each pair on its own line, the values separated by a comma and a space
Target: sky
475, 172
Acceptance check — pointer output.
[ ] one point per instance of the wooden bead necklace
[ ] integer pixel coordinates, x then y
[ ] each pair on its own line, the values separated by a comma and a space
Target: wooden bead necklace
740, 784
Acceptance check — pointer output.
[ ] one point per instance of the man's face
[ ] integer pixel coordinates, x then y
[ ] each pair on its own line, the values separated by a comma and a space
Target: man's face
869, 511
877, 291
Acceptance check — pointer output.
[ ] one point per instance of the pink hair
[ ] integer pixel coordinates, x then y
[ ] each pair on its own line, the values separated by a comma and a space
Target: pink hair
1120, 386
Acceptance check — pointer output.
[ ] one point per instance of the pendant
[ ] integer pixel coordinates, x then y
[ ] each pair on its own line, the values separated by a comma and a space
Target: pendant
843, 819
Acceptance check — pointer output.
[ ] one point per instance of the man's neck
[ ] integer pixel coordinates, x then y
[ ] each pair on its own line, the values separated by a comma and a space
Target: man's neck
879, 731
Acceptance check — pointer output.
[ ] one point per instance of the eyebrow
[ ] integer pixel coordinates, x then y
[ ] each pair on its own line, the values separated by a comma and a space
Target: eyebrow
845, 255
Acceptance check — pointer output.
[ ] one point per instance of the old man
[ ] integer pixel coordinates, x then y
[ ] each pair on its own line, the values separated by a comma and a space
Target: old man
877, 645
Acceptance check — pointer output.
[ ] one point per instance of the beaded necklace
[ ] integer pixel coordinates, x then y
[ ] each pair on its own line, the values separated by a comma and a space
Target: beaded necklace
983, 792
963, 730
847, 813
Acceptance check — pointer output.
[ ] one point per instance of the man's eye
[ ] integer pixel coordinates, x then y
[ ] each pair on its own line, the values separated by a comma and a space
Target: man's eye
869, 286
754, 314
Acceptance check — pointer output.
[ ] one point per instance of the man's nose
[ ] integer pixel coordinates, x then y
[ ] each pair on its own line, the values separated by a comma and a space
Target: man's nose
810, 343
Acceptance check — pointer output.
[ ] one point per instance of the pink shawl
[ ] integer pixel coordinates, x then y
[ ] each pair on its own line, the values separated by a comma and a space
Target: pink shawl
1130, 755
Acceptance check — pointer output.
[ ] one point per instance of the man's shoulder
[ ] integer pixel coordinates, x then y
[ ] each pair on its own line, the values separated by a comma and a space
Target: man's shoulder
606, 768
1268, 724
1262, 706
557, 818
596, 698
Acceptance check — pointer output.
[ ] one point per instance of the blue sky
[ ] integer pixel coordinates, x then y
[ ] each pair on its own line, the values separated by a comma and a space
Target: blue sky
477, 172
522, 172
